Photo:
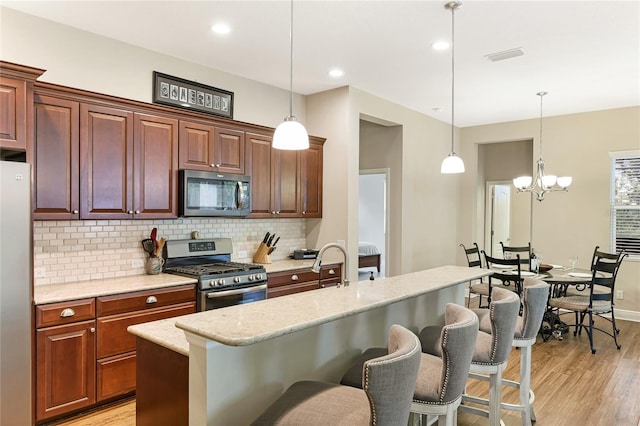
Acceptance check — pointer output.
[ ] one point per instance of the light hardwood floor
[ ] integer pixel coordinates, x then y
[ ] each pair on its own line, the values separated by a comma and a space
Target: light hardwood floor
572, 386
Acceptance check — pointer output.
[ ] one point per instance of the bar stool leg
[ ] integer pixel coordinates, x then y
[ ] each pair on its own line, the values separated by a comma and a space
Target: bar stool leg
525, 386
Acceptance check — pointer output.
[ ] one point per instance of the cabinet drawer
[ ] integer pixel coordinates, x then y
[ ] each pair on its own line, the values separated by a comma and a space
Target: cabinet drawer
278, 279
291, 289
113, 337
116, 376
65, 312
331, 271
148, 299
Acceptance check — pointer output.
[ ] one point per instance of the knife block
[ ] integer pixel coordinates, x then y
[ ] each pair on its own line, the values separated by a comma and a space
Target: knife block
262, 254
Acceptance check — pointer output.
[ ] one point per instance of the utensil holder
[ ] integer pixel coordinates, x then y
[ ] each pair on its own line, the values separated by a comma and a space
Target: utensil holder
262, 254
154, 265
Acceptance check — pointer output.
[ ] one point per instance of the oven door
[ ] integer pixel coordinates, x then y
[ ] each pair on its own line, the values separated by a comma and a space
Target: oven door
213, 299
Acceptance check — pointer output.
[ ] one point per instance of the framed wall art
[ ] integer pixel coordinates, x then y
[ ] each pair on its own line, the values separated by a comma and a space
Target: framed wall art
181, 93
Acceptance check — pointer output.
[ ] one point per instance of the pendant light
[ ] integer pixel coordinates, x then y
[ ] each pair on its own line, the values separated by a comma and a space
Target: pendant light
290, 134
453, 163
542, 183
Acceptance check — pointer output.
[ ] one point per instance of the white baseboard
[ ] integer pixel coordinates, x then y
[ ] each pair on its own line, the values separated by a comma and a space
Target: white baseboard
623, 314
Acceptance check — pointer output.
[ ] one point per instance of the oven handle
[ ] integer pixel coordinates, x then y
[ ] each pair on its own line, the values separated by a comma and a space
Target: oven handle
216, 294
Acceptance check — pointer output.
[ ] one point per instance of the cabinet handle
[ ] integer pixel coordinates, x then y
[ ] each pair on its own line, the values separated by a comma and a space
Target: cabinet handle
66, 313
332, 272
92, 329
151, 299
75, 212
294, 278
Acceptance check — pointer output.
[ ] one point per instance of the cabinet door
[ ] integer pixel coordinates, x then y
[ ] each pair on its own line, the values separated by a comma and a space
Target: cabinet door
156, 167
258, 166
196, 146
13, 114
286, 181
311, 181
106, 163
65, 368
55, 159
229, 151
116, 376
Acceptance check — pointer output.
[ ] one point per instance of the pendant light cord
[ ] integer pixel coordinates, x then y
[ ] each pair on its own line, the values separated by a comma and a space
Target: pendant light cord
291, 63
453, 75
541, 94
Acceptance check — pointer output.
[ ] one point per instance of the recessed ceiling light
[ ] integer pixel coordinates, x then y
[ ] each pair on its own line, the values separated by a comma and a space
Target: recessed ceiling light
440, 45
221, 28
505, 54
336, 73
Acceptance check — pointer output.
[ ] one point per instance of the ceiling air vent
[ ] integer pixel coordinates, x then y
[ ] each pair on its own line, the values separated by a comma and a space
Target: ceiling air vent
505, 54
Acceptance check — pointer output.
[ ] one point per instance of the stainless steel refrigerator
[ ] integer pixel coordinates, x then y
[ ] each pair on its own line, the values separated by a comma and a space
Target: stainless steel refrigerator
16, 294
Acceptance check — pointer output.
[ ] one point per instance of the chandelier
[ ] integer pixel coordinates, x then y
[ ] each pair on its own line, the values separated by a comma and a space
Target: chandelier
452, 163
542, 183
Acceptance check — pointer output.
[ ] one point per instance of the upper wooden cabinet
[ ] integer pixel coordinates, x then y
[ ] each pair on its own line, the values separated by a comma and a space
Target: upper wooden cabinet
129, 164
55, 159
284, 183
16, 104
208, 148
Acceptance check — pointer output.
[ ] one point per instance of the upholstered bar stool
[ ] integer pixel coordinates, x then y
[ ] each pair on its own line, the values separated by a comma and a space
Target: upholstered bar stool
384, 398
491, 350
534, 304
441, 380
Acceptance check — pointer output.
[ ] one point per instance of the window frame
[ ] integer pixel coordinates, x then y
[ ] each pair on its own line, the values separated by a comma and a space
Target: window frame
614, 156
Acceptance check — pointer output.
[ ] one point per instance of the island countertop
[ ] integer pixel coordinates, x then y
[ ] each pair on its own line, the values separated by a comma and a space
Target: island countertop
248, 324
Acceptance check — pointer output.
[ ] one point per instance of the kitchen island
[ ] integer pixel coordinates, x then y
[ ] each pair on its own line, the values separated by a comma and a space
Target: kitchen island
241, 358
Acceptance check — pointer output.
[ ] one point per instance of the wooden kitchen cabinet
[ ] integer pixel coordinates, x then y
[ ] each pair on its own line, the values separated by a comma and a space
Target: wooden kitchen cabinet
311, 169
84, 354
16, 105
55, 159
128, 164
293, 281
211, 148
65, 357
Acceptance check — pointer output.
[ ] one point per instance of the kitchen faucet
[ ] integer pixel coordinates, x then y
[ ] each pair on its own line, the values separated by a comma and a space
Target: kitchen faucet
316, 264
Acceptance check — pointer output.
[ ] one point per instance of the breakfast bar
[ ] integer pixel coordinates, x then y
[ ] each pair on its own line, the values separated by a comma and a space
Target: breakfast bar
241, 358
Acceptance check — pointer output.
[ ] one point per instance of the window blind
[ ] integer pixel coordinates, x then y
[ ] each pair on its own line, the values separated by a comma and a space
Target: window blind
625, 211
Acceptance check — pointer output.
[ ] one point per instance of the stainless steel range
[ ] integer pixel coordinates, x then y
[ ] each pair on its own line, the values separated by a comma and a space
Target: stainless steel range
221, 282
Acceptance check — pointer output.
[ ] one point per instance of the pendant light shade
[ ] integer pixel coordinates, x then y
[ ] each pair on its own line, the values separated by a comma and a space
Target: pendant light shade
290, 134
453, 163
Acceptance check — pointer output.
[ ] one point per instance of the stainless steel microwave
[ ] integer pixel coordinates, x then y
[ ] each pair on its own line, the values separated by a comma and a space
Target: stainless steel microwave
213, 194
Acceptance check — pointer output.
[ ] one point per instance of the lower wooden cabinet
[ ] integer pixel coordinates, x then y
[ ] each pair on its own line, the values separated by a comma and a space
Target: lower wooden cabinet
84, 354
298, 280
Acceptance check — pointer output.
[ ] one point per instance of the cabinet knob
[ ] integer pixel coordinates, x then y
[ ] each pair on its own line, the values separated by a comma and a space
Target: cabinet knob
304, 212
66, 313
294, 277
92, 329
217, 165
75, 212
332, 272
152, 299
137, 211
273, 212
321, 285
130, 212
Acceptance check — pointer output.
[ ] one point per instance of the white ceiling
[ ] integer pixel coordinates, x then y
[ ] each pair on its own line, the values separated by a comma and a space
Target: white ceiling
586, 54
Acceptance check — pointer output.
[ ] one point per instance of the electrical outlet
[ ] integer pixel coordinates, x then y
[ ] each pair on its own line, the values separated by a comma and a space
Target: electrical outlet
39, 273
137, 263
619, 295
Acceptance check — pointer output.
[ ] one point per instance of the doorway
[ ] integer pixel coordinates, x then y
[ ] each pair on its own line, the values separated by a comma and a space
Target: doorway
373, 216
497, 216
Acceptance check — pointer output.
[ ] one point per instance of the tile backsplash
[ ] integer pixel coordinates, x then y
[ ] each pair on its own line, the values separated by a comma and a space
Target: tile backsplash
69, 251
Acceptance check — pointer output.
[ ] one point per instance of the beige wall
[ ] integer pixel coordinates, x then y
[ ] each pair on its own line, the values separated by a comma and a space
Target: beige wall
381, 148
569, 223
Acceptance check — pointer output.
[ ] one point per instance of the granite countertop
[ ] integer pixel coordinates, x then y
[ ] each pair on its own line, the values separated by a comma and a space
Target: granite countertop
164, 333
83, 289
255, 322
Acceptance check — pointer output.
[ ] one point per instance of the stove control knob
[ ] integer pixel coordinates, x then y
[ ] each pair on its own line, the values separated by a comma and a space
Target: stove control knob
258, 277
212, 283
251, 277
236, 280
220, 282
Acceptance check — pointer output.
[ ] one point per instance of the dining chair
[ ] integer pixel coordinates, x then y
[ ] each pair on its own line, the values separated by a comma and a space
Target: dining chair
598, 301
383, 397
523, 251
491, 351
534, 304
480, 286
507, 271
442, 376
